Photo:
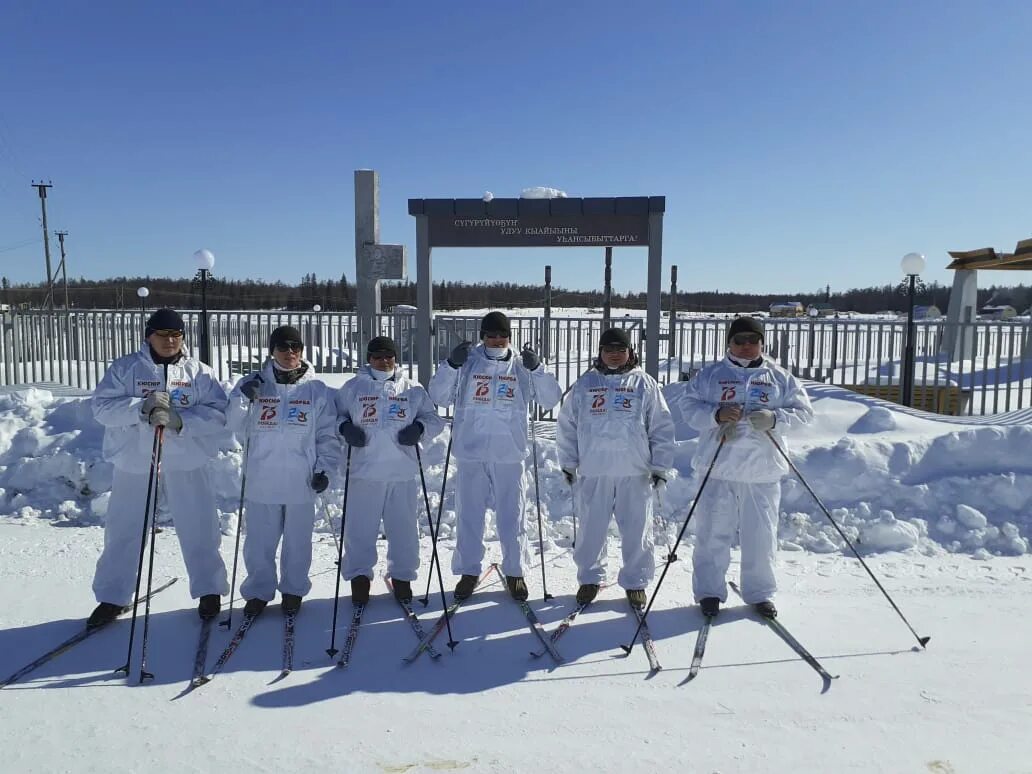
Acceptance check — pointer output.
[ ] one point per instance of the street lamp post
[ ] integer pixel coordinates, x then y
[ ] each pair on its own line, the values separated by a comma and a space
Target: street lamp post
143, 293
205, 261
912, 265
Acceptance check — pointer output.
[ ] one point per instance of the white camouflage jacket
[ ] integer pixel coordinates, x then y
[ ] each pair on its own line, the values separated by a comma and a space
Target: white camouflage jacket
382, 408
749, 456
615, 425
293, 434
491, 399
195, 394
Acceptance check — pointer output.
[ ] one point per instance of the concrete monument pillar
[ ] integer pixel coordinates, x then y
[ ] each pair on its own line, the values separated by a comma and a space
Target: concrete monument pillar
958, 337
373, 261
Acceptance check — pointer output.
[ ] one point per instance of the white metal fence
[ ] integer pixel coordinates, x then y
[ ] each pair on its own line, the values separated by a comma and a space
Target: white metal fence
74, 348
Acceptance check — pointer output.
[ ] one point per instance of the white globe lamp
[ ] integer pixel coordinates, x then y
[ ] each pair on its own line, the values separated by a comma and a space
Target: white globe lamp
912, 263
205, 259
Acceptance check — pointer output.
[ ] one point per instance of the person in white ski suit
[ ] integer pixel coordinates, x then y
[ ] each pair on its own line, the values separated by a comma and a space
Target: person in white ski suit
160, 386
287, 421
741, 399
615, 441
491, 387
383, 414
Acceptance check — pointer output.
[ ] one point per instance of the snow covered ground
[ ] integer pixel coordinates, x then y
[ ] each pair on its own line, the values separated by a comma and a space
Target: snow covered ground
941, 509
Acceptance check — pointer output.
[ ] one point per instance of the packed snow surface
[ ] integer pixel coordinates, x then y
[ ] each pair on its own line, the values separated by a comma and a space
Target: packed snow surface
938, 508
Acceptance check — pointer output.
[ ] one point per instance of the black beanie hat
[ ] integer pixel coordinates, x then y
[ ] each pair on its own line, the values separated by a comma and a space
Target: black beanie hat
381, 344
283, 334
615, 336
745, 325
494, 321
164, 320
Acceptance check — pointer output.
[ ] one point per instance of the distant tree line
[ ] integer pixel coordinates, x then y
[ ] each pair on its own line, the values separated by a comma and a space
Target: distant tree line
339, 295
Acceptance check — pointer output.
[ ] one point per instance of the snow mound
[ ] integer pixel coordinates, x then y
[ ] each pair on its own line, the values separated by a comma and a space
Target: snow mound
542, 192
878, 419
891, 482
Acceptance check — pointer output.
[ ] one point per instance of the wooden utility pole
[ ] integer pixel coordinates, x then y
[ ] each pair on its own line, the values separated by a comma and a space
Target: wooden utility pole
42, 188
63, 267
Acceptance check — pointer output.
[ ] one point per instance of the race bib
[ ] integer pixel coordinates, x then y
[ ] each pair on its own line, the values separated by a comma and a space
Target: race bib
181, 394
625, 400
145, 387
730, 392
758, 396
505, 389
480, 389
397, 409
298, 415
268, 413
369, 413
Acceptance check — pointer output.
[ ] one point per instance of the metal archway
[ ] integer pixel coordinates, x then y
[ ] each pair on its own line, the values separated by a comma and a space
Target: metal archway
563, 222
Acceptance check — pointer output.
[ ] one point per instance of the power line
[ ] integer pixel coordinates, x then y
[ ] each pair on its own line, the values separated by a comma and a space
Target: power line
19, 245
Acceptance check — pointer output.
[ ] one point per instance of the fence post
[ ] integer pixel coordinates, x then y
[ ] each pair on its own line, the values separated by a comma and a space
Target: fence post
8, 347
546, 344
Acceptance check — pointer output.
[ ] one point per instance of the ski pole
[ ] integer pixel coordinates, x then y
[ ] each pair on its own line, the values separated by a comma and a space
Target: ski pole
332, 651
436, 530
434, 558
143, 546
922, 641
228, 621
537, 498
144, 674
672, 556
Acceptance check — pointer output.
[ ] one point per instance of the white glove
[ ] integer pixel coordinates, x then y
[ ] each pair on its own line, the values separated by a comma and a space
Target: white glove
166, 417
762, 420
154, 400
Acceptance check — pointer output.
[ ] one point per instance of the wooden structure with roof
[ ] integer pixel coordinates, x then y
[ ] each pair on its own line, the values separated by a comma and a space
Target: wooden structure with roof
963, 306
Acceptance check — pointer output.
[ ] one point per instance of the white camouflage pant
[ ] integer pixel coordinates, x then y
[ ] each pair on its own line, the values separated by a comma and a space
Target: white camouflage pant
264, 526
597, 500
479, 486
395, 504
752, 510
188, 497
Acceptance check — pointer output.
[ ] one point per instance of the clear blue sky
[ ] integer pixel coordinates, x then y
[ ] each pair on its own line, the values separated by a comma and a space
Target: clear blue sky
798, 143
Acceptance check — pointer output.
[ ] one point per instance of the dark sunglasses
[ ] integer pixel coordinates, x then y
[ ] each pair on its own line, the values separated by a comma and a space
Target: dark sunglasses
614, 348
745, 338
290, 346
168, 333
494, 334
382, 355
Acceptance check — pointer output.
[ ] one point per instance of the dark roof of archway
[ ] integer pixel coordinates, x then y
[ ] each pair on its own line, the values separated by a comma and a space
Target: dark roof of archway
988, 258
514, 208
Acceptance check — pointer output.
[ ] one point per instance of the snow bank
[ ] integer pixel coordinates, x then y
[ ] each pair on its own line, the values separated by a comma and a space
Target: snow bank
892, 481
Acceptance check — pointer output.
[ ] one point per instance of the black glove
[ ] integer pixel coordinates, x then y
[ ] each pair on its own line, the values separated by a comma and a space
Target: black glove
570, 476
319, 482
530, 359
658, 480
460, 354
355, 436
410, 434
250, 386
